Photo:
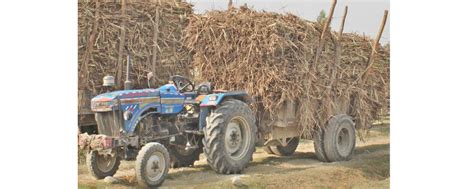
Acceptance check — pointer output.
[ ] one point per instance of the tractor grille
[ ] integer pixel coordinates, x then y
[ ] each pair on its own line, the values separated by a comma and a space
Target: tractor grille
109, 123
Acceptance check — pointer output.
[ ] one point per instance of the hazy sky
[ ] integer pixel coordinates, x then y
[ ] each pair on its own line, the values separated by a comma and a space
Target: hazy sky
364, 16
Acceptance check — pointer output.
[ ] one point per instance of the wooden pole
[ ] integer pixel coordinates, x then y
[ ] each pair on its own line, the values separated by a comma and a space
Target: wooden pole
341, 28
307, 104
328, 22
338, 50
155, 38
229, 5
374, 47
122, 43
323, 34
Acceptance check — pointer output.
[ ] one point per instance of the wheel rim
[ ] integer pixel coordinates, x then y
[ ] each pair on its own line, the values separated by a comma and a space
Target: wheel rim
343, 141
155, 166
236, 138
105, 163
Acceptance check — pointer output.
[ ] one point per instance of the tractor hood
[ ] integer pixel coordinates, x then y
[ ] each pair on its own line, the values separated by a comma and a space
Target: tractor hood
105, 102
110, 96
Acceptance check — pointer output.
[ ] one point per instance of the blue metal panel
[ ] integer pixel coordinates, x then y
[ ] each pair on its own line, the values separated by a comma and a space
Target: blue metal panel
208, 99
172, 102
131, 124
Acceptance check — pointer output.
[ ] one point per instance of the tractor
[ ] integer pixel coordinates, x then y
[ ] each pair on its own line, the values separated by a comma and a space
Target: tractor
166, 127
170, 126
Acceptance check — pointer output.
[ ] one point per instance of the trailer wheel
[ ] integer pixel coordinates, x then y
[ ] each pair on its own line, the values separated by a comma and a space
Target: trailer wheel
339, 138
180, 157
287, 150
229, 137
318, 142
268, 149
152, 164
101, 166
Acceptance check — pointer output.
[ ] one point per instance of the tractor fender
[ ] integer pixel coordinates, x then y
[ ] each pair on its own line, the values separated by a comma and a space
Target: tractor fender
212, 100
217, 98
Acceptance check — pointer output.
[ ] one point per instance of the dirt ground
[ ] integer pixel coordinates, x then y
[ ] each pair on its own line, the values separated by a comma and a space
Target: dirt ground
369, 168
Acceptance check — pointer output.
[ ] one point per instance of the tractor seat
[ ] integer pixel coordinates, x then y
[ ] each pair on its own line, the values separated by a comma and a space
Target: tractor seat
204, 88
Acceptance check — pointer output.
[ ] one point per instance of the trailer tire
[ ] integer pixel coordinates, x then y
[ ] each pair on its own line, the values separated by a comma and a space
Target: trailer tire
100, 166
229, 137
268, 149
286, 150
339, 138
318, 142
152, 165
183, 158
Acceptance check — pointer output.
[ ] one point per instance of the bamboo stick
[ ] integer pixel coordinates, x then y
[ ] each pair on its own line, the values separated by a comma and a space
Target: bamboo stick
341, 28
155, 38
374, 48
122, 42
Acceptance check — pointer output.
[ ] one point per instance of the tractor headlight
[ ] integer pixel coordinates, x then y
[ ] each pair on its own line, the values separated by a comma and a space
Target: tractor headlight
127, 115
212, 98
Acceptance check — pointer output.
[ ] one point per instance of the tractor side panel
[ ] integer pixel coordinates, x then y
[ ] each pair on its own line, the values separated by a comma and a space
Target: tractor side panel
172, 102
217, 98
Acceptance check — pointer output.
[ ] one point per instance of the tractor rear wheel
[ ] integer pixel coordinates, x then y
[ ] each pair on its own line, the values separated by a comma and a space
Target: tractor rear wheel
152, 165
102, 165
229, 137
339, 138
287, 150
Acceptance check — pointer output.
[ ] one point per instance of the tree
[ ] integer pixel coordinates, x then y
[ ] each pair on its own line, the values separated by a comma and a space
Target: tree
322, 16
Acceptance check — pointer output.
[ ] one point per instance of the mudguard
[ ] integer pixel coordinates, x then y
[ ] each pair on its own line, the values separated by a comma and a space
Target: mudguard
216, 98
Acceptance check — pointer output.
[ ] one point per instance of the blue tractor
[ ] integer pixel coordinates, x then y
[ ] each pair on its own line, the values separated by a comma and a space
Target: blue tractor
168, 127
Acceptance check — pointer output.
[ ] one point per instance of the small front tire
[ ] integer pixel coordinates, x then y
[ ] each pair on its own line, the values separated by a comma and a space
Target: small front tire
152, 165
102, 165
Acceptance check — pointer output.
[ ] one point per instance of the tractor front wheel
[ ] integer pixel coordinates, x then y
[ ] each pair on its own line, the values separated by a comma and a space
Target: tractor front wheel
102, 165
152, 165
229, 137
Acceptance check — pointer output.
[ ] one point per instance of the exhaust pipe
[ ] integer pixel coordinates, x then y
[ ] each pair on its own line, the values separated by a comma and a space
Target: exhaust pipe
128, 84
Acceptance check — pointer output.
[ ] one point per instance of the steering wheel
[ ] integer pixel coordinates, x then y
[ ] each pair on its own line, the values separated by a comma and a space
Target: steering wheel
182, 83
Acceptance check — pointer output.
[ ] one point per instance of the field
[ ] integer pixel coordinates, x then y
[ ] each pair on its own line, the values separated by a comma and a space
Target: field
369, 168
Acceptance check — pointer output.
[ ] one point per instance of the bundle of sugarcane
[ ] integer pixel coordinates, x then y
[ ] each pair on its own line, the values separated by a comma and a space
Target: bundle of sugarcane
272, 55
151, 29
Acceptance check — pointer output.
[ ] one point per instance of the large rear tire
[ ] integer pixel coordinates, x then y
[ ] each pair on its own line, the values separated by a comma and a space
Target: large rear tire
152, 165
101, 166
287, 150
339, 138
229, 137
